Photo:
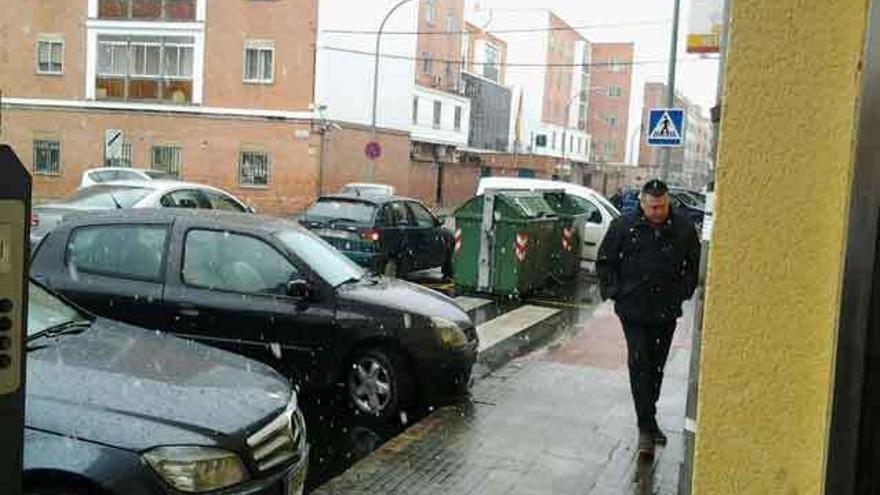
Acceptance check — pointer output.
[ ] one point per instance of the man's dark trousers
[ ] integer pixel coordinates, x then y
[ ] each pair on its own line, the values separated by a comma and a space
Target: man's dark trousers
647, 347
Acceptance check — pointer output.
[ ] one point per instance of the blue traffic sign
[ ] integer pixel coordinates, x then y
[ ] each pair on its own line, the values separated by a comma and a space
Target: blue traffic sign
666, 127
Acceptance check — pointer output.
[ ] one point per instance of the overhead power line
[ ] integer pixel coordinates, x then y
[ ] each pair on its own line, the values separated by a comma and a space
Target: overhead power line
510, 64
501, 31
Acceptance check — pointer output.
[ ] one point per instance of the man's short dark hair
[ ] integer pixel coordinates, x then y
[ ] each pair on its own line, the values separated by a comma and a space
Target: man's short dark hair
655, 188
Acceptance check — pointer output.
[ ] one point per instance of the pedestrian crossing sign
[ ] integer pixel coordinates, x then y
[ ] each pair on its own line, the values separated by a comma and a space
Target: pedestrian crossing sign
666, 127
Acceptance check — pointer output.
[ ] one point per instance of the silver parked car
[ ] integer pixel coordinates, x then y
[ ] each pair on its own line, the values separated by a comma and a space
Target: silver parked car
133, 194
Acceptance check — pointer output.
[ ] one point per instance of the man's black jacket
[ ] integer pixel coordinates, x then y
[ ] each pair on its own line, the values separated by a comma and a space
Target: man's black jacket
648, 271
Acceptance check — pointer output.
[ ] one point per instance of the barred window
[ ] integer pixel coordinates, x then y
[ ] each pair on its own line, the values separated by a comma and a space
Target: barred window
166, 159
253, 168
47, 156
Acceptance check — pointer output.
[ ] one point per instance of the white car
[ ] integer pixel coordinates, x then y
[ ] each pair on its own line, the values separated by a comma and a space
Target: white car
103, 175
365, 189
602, 212
133, 194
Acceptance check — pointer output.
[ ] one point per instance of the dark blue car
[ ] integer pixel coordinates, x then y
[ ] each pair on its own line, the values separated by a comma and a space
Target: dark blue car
387, 234
684, 202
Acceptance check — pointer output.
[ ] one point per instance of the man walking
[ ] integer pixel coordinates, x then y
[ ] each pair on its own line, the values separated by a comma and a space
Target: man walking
648, 264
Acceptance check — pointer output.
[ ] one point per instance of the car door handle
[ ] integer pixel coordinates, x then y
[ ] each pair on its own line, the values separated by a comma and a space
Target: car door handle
191, 312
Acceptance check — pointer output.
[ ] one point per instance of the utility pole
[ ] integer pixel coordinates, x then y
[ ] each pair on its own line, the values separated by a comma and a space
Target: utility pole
670, 84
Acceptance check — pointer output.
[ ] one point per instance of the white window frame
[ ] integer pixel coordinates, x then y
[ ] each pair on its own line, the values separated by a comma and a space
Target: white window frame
258, 46
450, 22
615, 91
492, 62
98, 28
430, 11
51, 40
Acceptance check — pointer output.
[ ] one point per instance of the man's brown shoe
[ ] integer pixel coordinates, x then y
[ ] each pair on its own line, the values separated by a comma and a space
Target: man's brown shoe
646, 442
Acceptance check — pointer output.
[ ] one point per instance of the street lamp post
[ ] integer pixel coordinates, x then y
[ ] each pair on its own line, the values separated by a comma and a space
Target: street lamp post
376, 63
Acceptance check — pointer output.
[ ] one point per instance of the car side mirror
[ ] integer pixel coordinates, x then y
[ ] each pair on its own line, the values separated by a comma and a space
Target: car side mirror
299, 289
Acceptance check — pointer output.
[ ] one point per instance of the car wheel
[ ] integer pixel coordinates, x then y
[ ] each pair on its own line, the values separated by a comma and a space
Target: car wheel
390, 269
378, 383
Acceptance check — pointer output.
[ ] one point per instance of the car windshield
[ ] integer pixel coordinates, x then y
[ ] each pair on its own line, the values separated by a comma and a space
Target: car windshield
327, 262
108, 197
353, 211
612, 210
46, 311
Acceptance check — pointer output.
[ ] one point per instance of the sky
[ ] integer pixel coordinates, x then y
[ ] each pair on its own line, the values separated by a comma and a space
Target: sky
647, 23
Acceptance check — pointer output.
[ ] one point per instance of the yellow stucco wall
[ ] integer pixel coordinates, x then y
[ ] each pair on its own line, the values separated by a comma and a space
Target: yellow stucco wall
776, 262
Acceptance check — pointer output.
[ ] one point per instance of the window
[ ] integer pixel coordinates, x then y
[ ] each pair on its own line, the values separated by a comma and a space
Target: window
422, 216
330, 264
396, 215
490, 68
438, 109
122, 161
457, 118
553, 143
427, 63
614, 91
609, 147
415, 115
258, 62
125, 251
166, 159
235, 263
570, 142
47, 156
617, 65
169, 10
151, 68
450, 22
50, 56
185, 198
526, 173
448, 71
486, 172
590, 210
611, 120
222, 202
253, 168
430, 11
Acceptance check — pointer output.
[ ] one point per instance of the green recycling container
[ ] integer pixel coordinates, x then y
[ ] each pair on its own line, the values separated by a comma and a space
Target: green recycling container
520, 244
567, 235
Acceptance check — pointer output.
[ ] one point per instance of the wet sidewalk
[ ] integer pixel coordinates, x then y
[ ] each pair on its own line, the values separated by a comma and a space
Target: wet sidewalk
559, 421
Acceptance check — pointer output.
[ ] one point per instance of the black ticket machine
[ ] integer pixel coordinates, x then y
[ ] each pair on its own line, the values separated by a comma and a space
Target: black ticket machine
15, 200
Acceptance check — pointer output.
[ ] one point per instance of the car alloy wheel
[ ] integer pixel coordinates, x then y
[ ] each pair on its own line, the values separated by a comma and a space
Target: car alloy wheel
370, 385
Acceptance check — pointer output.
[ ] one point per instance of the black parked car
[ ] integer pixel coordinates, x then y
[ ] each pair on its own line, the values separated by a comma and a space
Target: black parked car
268, 289
117, 410
386, 234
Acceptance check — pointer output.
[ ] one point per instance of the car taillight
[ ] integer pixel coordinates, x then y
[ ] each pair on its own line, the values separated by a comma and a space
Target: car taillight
35, 220
371, 235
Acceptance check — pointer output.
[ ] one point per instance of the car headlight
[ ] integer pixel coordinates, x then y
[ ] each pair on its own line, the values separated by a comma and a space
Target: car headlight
449, 333
197, 469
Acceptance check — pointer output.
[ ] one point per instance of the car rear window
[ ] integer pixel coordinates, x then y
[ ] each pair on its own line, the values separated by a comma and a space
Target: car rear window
107, 197
342, 210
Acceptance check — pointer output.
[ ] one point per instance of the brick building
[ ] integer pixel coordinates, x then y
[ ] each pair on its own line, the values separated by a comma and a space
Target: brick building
610, 91
218, 92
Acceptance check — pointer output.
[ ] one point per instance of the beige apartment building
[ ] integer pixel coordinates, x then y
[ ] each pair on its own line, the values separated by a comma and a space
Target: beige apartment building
610, 94
219, 92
